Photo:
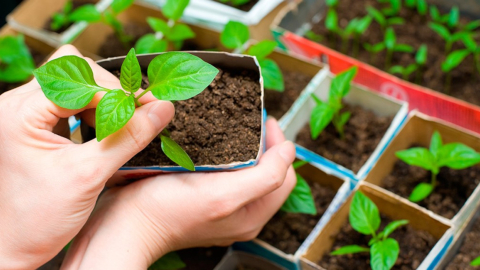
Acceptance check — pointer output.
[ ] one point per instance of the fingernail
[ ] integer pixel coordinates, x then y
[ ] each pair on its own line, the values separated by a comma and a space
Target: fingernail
287, 152
154, 113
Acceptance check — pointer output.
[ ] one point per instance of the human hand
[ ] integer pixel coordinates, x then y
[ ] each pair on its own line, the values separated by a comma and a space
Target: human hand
49, 185
133, 226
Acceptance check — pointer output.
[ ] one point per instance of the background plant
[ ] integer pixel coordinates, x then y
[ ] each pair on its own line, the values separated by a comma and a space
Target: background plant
236, 34
390, 45
448, 36
393, 9
170, 261
300, 199
418, 66
326, 112
169, 32
16, 62
475, 262
364, 218
420, 5
235, 2
68, 15
382, 20
453, 155
355, 28
68, 82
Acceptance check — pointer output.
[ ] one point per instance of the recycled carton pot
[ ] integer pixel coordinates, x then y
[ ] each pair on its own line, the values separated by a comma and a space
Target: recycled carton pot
236, 259
31, 16
220, 60
394, 208
381, 106
418, 131
293, 22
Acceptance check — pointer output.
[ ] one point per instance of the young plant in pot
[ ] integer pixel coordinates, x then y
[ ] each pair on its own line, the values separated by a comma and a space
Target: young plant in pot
69, 15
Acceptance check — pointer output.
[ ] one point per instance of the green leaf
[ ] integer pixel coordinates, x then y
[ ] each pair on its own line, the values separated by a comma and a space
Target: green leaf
68, 7
262, 49
420, 192
453, 17
150, 44
18, 70
341, 83
300, 199
12, 48
131, 73
58, 21
363, 24
332, 3
475, 262
377, 15
173, 9
390, 39
435, 14
396, 69
349, 250
179, 76
331, 21
472, 25
422, 7
459, 36
298, 164
469, 43
384, 254
320, 117
395, 20
421, 56
344, 117
364, 216
375, 48
410, 69
418, 156
180, 32
120, 5
410, 3
174, 152
158, 25
234, 35
435, 144
440, 30
170, 261
68, 82
113, 112
457, 156
272, 75
317, 100
392, 226
87, 13
240, 2
403, 48
454, 59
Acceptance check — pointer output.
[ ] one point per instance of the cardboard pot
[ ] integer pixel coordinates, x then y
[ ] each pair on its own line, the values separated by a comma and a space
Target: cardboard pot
219, 59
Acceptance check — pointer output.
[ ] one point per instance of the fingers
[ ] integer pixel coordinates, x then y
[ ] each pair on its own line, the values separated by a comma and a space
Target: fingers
274, 133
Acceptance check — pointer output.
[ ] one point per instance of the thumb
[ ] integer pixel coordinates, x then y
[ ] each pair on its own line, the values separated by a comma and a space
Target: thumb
107, 156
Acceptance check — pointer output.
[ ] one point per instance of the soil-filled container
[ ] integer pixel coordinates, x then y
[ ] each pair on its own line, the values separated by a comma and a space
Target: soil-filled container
423, 241
33, 17
456, 195
375, 120
238, 260
221, 129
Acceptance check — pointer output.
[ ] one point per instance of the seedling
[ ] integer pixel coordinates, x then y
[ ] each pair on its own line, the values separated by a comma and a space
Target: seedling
475, 262
452, 61
420, 5
87, 13
236, 34
167, 33
364, 218
450, 19
394, 9
68, 82
449, 37
390, 44
453, 155
474, 49
235, 3
16, 62
313, 36
383, 21
355, 29
300, 199
420, 61
326, 112
170, 261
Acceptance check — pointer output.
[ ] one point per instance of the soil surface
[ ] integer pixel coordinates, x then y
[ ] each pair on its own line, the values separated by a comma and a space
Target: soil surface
76, 4
363, 132
244, 7
278, 103
202, 258
414, 247
469, 250
452, 190
287, 231
465, 81
219, 126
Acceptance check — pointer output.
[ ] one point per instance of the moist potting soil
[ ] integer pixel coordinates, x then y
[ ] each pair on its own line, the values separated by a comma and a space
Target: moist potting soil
202, 258
469, 250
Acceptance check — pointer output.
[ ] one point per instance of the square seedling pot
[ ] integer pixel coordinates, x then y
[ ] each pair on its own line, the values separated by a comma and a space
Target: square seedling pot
244, 260
31, 16
294, 21
340, 186
358, 96
418, 131
95, 35
394, 208
219, 59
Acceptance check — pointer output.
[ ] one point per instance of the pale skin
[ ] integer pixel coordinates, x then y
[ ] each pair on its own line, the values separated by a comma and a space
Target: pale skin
49, 189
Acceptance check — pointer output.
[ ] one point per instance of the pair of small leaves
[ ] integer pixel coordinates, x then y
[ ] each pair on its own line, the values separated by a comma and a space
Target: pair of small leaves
170, 261
450, 19
444, 32
17, 62
174, 9
394, 9
405, 71
382, 20
391, 43
420, 5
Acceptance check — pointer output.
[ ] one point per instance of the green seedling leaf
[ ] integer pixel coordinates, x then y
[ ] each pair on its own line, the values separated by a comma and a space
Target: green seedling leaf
174, 152
180, 32
411, 3
375, 48
364, 216
173, 9
363, 24
298, 164
392, 226
234, 35
420, 192
422, 7
18, 70
12, 48
344, 117
454, 59
377, 15
457, 156
332, 3
150, 44
395, 21
396, 69
469, 43
131, 73
475, 262
87, 13
390, 39
384, 254
435, 144
113, 112
313, 36
421, 56
331, 21
68, 7
403, 48
272, 75
120, 5
68, 82
418, 156
320, 117
317, 100
472, 26
341, 83
158, 25
435, 14
300, 199
440, 30
170, 261
350, 250
262, 49
453, 17
179, 76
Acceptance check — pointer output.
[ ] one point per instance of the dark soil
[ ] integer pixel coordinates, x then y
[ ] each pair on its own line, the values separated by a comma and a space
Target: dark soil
363, 132
202, 258
244, 7
219, 126
452, 190
414, 247
469, 250
278, 103
247, 267
76, 4
287, 231
465, 82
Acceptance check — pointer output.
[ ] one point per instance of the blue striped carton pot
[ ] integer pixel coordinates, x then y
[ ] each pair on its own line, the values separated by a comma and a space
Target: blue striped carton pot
220, 59
393, 207
343, 187
377, 103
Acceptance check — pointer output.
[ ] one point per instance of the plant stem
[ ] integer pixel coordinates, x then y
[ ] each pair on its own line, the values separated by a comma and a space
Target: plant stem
344, 44
339, 128
141, 95
434, 180
418, 75
448, 48
356, 46
388, 59
448, 82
